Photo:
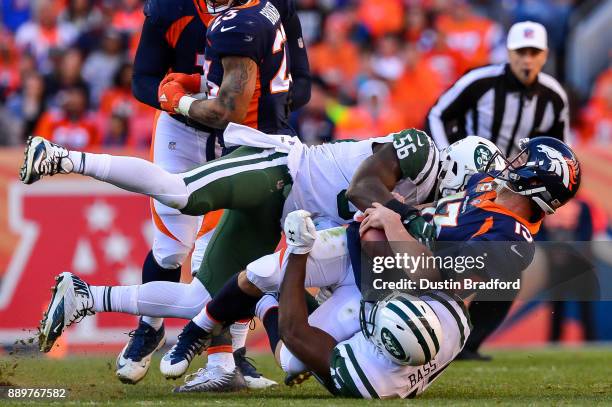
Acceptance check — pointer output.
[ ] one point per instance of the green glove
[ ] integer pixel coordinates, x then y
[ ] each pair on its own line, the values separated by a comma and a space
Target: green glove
420, 229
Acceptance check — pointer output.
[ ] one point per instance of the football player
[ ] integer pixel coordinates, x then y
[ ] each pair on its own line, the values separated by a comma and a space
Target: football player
173, 40
252, 183
405, 342
333, 163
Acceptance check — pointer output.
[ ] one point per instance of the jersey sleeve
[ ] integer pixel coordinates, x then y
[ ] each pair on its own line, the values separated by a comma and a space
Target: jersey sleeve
240, 38
153, 56
418, 156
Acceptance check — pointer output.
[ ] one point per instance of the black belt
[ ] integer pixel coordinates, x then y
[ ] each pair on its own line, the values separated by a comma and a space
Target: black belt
191, 123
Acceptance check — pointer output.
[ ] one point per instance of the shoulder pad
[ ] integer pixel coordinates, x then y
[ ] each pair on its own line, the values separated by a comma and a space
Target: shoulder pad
415, 150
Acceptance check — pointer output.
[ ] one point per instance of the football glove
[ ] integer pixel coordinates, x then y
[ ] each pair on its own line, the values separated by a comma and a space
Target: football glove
169, 95
420, 229
300, 232
192, 83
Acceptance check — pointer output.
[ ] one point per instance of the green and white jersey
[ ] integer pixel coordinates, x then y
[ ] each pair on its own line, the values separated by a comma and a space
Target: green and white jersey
322, 174
360, 369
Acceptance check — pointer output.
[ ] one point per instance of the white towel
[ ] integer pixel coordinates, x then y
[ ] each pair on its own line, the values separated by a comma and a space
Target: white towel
239, 135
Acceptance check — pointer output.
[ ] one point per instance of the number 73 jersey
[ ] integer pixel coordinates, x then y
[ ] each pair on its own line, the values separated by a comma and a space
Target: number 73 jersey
253, 30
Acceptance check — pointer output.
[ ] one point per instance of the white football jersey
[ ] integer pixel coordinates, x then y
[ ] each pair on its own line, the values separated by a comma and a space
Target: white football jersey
360, 369
322, 174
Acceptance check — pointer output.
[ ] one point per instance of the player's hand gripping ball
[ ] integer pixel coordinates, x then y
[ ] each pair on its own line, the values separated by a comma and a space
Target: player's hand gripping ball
300, 232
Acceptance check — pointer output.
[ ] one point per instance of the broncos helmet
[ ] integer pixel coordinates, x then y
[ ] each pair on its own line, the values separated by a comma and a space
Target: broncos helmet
545, 170
405, 328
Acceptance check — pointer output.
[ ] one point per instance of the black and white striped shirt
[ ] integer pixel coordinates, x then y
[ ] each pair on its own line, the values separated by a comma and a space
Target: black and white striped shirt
492, 103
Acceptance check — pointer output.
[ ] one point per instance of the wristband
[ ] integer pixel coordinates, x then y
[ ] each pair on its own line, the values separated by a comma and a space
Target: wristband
184, 105
405, 211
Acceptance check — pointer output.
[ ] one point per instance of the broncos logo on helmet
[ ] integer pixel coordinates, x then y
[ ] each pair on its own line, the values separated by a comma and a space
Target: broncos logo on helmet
546, 170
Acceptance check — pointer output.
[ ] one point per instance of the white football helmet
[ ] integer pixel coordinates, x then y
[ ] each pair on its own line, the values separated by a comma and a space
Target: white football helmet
404, 327
464, 158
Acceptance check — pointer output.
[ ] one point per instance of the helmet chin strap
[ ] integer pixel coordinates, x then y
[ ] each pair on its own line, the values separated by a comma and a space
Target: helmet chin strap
529, 194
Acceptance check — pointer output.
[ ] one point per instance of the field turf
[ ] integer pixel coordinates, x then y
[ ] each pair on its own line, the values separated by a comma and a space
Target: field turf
555, 376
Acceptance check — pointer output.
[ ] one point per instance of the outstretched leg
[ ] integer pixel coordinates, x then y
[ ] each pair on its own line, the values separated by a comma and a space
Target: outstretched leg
243, 179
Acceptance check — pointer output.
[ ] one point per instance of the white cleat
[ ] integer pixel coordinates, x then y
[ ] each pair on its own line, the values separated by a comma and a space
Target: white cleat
214, 379
135, 358
254, 379
191, 342
41, 158
70, 303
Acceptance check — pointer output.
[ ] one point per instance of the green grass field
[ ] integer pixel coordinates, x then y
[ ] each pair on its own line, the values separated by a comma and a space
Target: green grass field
569, 376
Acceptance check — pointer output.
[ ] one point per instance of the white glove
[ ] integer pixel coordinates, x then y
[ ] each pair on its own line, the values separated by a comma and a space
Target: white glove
300, 232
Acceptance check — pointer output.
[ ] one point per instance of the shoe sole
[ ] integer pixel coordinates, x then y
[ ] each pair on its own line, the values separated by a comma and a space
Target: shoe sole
297, 379
45, 342
133, 380
239, 384
26, 170
259, 383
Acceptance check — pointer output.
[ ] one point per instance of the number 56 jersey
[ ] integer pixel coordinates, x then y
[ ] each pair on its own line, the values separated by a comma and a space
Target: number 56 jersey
253, 30
322, 174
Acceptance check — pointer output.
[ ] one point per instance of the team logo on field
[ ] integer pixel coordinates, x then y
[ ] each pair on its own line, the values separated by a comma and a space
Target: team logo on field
482, 155
391, 344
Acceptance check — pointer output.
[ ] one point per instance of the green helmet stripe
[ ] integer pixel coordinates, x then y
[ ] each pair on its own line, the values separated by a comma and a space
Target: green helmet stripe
423, 320
453, 312
415, 330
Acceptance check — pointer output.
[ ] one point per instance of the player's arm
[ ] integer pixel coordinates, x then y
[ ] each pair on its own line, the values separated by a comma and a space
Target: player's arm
309, 344
235, 93
231, 103
153, 58
375, 178
300, 67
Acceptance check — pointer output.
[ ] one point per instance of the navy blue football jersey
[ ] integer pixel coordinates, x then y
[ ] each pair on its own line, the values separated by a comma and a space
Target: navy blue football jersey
173, 39
473, 217
255, 31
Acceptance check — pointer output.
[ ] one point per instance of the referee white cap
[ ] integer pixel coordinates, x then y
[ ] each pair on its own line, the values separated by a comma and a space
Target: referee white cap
527, 34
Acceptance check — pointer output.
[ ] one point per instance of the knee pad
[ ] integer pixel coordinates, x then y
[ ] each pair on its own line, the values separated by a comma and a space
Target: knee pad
265, 272
289, 363
169, 253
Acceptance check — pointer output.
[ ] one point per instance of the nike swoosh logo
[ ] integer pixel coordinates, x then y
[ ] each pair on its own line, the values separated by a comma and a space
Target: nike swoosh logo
514, 249
224, 29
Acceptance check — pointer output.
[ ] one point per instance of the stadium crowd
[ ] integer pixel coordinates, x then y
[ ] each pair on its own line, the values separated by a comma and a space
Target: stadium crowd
378, 66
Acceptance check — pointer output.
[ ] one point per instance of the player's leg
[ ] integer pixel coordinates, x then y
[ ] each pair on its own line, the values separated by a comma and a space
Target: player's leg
176, 148
242, 179
73, 299
240, 237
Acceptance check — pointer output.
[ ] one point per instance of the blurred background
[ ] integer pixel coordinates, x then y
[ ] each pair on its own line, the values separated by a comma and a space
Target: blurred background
378, 66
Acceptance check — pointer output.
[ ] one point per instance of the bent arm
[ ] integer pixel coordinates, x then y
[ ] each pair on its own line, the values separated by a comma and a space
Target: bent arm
235, 94
311, 345
375, 178
152, 62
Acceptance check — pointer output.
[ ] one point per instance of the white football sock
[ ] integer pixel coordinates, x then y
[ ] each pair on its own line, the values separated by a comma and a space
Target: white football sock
133, 174
157, 299
115, 299
153, 322
223, 359
204, 321
239, 332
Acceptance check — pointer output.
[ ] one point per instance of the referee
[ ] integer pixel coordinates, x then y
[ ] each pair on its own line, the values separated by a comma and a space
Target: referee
503, 103
507, 102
